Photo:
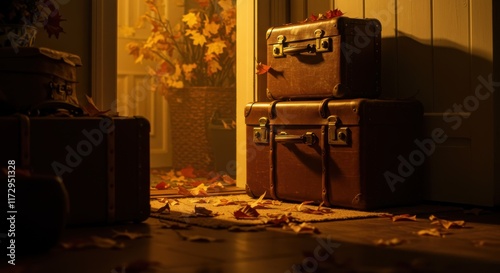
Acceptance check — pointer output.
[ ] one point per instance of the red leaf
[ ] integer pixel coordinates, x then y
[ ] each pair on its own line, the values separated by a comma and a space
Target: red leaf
162, 185
188, 172
313, 17
247, 212
333, 13
262, 68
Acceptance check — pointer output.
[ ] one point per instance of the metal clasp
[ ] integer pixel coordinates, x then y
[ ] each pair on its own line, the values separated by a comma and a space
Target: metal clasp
322, 44
261, 133
338, 135
278, 48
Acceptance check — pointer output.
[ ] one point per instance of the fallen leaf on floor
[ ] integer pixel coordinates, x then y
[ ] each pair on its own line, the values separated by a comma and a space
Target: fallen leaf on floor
198, 238
279, 219
129, 235
246, 229
404, 217
301, 228
228, 179
247, 212
173, 225
258, 201
201, 211
139, 266
165, 208
162, 186
201, 190
188, 172
224, 202
93, 242
183, 191
431, 232
215, 187
389, 242
445, 223
319, 210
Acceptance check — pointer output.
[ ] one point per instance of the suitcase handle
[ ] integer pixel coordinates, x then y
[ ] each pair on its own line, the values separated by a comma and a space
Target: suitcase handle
294, 50
308, 138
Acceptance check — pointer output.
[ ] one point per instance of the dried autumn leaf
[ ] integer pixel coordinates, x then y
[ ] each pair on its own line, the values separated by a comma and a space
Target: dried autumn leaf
201, 211
261, 68
404, 217
129, 235
162, 186
302, 228
164, 208
318, 211
390, 242
247, 212
201, 190
431, 232
183, 191
91, 109
199, 201
188, 172
258, 201
224, 202
215, 187
445, 223
279, 219
228, 180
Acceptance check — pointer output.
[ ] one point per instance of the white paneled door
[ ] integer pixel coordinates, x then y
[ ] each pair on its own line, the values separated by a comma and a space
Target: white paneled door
134, 96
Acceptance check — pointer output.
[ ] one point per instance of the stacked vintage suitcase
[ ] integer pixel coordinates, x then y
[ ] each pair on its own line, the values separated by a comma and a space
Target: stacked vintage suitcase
103, 161
325, 136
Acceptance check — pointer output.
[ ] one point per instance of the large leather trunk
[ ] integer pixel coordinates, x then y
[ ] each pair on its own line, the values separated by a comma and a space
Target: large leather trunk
103, 162
347, 153
337, 58
31, 76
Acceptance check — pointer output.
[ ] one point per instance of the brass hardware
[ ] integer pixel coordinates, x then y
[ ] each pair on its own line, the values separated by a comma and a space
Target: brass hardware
278, 48
309, 138
338, 135
261, 133
322, 44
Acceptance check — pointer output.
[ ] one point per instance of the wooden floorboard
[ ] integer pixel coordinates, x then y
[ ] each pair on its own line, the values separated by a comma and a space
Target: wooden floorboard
342, 246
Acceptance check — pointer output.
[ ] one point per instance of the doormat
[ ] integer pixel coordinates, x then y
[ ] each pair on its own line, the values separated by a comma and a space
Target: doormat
222, 212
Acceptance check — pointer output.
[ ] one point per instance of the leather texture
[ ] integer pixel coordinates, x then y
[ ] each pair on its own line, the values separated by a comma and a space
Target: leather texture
349, 68
352, 175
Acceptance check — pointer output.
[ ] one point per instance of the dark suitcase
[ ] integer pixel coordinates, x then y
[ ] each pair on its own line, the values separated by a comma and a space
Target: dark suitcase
103, 162
346, 153
31, 76
337, 58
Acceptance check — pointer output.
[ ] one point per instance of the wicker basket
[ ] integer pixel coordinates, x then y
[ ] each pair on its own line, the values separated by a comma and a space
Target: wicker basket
190, 113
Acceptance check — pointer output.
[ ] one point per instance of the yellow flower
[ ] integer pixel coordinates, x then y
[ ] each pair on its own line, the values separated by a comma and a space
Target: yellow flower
190, 19
226, 4
188, 71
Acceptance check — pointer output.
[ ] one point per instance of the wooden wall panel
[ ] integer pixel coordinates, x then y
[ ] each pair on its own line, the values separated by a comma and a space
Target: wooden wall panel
351, 8
414, 74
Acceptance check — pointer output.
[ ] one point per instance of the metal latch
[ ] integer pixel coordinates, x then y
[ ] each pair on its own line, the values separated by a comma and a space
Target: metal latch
261, 133
309, 138
322, 44
338, 135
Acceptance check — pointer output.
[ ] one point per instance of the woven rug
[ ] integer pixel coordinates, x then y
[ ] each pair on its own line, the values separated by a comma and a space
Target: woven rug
219, 211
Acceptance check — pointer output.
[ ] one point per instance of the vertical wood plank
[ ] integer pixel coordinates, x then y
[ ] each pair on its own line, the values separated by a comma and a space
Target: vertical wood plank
451, 52
414, 49
351, 8
385, 12
481, 50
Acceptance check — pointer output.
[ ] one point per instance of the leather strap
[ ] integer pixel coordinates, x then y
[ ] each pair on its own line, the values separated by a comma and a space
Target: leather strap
272, 163
111, 169
324, 165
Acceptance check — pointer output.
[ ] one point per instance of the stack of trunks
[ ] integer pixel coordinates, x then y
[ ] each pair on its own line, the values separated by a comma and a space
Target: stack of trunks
325, 135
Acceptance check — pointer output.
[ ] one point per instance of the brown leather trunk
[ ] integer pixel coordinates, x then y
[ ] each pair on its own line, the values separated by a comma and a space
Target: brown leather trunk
338, 58
359, 153
31, 76
103, 162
